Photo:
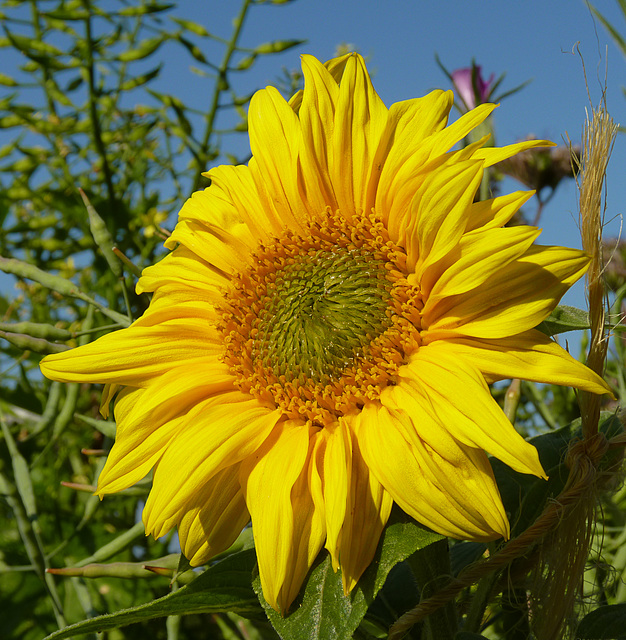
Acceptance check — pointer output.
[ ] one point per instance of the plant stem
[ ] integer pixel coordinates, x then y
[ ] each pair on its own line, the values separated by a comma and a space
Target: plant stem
220, 86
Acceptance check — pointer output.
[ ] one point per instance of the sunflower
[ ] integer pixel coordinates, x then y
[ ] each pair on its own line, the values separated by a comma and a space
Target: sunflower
321, 337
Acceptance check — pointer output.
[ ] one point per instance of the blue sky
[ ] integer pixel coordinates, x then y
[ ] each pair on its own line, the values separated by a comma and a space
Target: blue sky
529, 39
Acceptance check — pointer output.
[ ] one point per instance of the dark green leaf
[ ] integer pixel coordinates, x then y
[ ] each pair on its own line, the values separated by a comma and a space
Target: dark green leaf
223, 587
605, 623
465, 553
322, 611
400, 593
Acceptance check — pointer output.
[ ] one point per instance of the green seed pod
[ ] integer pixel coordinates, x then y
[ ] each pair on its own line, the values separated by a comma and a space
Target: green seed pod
102, 237
36, 330
28, 343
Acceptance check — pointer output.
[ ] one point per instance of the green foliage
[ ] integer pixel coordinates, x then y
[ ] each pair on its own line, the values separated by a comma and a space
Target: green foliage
323, 612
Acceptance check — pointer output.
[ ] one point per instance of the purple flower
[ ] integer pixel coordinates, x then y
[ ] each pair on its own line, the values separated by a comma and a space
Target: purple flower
470, 85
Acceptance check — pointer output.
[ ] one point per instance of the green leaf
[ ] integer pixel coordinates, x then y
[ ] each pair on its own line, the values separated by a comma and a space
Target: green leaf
7, 81
137, 81
146, 48
563, 319
73, 10
467, 635
277, 46
29, 45
54, 92
605, 623
154, 7
223, 587
193, 49
322, 611
28, 343
194, 27
176, 104
245, 63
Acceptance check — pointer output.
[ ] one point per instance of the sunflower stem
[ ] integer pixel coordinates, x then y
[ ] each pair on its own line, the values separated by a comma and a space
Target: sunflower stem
431, 569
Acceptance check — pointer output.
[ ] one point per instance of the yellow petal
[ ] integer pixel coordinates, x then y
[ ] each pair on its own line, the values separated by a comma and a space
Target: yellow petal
147, 419
317, 115
213, 518
474, 260
367, 511
334, 66
444, 141
491, 155
275, 140
402, 152
439, 213
219, 433
496, 212
531, 356
108, 393
450, 391
288, 532
234, 186
183, 269
336, 471
462, 472
222, 250
515, 299
138, 354
360, 120
414, 478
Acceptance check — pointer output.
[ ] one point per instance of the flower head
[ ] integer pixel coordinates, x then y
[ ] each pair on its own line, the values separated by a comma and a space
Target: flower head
322, 335
470, 85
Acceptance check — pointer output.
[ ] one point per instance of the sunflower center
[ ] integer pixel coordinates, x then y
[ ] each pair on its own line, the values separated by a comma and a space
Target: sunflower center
319, 324
320, 312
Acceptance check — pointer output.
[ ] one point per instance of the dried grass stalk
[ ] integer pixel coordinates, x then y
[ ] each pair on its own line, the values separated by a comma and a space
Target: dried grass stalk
557, 578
